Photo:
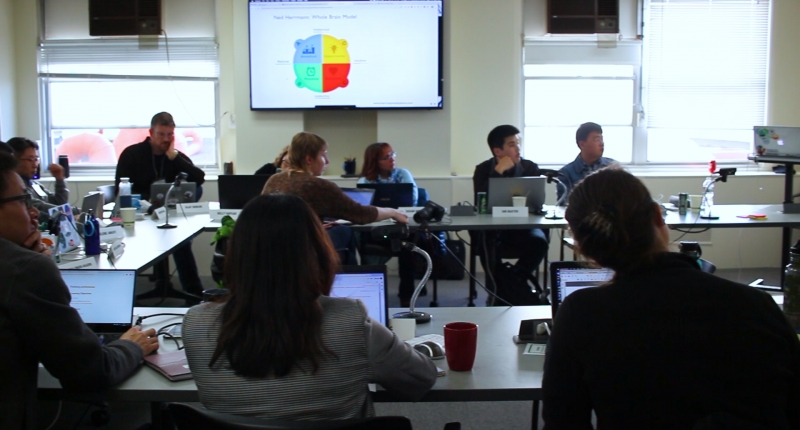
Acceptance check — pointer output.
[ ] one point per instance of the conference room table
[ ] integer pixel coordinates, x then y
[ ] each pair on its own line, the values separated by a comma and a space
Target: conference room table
501, 371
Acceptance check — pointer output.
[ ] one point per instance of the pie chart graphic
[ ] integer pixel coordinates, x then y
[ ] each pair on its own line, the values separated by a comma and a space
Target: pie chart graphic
321, 63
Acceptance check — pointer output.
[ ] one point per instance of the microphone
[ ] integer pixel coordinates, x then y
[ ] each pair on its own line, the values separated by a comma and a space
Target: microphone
182, 176
396, 233
553, 176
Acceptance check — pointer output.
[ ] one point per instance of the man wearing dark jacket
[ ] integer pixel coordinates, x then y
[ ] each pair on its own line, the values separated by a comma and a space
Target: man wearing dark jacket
37, 324
529, 245
157, 159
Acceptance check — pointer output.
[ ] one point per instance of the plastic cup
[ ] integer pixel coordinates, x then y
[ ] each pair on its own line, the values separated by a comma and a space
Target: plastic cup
519, 201
128, 216
460, 344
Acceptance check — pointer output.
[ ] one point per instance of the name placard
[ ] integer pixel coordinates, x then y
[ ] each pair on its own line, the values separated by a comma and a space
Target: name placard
160, 213
218, 214
84, 263
510, 211
116, 250
112, 233
409, 210
193, 208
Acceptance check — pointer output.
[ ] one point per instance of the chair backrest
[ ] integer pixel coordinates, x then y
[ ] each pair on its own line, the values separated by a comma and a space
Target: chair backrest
422, 196
191, 417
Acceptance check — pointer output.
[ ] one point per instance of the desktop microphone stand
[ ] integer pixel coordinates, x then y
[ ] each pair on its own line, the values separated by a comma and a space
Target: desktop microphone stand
551, 179
421, 317
166, 206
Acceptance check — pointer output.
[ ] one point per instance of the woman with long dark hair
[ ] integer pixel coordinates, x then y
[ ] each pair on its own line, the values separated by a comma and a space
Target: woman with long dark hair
279, 347
663, 345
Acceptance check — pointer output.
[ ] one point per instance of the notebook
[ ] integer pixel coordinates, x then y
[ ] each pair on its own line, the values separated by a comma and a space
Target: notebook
183, 193
391, 195
362, 196
173, 365
366, 283
776, 142
501, 191
570, 276
103, 298
235, 191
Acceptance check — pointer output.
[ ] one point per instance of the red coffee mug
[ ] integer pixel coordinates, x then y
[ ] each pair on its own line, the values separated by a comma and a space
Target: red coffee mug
460, 344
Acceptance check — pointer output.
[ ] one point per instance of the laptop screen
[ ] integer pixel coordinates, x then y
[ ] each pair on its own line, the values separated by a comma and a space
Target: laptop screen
571, 276
235, 191
362, 196
365, 283
391, 195
103, 298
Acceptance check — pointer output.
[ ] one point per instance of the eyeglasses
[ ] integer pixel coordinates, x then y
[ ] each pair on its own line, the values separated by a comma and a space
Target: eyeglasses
26, 198
31, 159
390, 156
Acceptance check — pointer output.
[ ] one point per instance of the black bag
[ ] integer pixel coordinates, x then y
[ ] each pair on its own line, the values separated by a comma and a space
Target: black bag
514, 288
445, 267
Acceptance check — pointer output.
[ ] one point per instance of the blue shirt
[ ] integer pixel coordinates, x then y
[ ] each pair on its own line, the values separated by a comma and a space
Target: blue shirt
574, 172
398, 176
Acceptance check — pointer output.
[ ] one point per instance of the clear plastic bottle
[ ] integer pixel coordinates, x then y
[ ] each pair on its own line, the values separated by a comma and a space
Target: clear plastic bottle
791, 288
125, 193
707, 202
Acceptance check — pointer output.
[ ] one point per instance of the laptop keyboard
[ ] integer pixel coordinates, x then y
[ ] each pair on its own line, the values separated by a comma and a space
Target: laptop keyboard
106, 338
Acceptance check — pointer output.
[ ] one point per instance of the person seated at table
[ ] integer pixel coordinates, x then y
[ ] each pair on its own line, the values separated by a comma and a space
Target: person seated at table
37, 323
156, 159
280, 347
663, 344
280, 164
529, 245
27, 153
308, 156
589, 138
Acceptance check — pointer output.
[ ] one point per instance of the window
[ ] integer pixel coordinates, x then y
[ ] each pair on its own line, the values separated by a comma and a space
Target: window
99, 94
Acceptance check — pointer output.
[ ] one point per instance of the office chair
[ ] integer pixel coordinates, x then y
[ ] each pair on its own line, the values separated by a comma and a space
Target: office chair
189, 417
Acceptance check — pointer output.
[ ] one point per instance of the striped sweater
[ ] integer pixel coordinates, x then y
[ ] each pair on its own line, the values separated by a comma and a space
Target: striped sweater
365, 350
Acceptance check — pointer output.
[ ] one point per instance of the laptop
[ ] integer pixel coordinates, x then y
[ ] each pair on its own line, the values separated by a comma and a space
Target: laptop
361, 196
235, 191
103, 298
501, 191
183, 193
566, 277
391, 195
366, 283
95, 201
776, 142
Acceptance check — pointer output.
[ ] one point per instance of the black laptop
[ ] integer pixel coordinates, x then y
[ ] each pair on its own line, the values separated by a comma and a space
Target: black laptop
103, 298
235, 191
566, 277
362, 196
391, 195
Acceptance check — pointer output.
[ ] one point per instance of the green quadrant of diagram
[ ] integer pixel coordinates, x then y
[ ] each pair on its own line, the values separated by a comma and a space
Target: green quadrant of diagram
309, 76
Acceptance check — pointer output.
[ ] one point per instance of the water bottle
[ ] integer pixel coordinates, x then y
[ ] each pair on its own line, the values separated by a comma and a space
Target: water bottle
791, 288
125, 200
91, 234
707, 202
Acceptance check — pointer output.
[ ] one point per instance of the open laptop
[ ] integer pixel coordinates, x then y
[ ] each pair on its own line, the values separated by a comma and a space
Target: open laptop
501, 191
95, 201
566, 277
103, 298
366, 283
776, 142
183, 193
391, 195
235, 191
361, 196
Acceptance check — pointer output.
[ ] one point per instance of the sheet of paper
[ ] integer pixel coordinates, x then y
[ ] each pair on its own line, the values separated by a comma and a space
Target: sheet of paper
534, 349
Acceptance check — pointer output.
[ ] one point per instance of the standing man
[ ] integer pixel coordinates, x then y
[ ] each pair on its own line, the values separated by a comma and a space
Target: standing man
589, 138
37, 324
27, 153
529, 245
153, 160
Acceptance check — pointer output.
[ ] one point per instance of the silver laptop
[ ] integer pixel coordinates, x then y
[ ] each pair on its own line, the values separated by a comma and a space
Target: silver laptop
365, 283
501, 191
95, 201
776, 142
183, 193
103, 298
362, 196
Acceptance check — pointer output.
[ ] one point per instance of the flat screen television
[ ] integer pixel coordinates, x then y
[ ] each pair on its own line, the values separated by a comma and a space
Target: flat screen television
364, 54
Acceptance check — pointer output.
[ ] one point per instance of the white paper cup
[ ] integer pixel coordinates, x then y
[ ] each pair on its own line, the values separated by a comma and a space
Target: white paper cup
404, 328
519, 201
695, 200
128, 216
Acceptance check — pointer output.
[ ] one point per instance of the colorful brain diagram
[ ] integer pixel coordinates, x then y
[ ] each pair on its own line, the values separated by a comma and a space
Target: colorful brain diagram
321, 63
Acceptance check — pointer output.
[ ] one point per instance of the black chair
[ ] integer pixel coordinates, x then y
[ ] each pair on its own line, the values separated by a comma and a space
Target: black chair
189, 417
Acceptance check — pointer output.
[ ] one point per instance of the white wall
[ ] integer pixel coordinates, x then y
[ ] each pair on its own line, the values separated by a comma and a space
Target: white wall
7, 91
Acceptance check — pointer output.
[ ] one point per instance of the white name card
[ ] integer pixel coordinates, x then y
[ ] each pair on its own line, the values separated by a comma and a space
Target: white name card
510, 211
84, 263
218, 214
410, 211
116, 250
112, 233
160, 213
193, 208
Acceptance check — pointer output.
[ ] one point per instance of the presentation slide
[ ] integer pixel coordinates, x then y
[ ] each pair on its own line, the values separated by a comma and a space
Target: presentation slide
364, 54
101, 297
367, 287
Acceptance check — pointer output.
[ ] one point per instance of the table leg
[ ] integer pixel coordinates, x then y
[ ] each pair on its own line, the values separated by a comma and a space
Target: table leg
535, 417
